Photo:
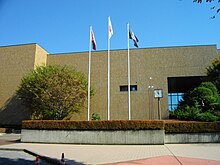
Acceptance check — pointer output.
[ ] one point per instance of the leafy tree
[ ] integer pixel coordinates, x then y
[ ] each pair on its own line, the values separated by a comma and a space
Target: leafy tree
215, 7
53, 92
206, 96
203, 101
213, 72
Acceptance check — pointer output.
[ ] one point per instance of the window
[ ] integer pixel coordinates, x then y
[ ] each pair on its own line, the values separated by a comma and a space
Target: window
177, 86
124, 88
173, 99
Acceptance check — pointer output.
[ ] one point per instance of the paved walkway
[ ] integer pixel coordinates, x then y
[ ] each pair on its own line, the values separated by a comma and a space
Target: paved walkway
169, 160
172, 154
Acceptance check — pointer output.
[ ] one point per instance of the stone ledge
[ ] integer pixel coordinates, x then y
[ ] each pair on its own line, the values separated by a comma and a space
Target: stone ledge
192, 138
93, 137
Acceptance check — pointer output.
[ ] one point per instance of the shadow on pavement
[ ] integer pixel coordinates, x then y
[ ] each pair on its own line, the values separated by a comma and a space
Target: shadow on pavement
6, 142
57, 162
16, 161
72, 162
52, 160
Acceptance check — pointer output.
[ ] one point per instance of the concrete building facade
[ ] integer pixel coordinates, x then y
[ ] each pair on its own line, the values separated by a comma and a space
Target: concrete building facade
171, 69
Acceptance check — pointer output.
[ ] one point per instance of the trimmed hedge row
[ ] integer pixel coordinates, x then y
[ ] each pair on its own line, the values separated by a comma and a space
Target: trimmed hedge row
93, 125
168, 126
191, 127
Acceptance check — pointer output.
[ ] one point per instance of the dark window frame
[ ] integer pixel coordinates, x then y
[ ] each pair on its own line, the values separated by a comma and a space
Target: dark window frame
124, 88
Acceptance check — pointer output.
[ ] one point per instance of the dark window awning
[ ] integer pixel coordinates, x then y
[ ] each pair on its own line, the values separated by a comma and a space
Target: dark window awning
183, 84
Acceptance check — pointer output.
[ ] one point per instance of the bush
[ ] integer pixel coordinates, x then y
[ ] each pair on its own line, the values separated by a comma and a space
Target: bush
96, 116
186, 113
168, 126
191, 127
93, 125
206, 116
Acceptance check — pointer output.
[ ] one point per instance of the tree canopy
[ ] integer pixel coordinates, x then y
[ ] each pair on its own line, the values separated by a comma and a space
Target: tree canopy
53, 92
214, 7
203, 102
213, 72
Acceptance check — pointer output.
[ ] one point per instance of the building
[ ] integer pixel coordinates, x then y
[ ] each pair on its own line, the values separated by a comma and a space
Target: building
171, 69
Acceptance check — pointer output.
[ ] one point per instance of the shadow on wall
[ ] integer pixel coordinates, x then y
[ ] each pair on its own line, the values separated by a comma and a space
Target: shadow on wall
12, 113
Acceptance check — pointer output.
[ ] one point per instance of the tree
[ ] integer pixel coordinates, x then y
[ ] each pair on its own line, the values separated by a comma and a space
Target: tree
213, 73
215, 7
53, 92
202, 103
206, 96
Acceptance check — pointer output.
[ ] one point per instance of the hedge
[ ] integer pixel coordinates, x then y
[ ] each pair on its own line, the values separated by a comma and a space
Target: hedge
168, 126
93, 125
191, 127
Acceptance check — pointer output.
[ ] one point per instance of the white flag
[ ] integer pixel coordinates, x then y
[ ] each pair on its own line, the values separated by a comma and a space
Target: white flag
92, 39
110, 30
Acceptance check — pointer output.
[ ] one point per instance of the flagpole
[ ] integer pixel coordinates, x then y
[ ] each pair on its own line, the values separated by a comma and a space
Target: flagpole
108, 73
89, 72
129, 81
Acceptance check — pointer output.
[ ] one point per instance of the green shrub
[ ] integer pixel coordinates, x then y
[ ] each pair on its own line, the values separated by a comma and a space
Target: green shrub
217, 114
186, 113
96, 116
206, 116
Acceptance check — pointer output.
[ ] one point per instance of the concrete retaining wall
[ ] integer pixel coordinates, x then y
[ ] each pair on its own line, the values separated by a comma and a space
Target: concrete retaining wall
93, 137
115, 137
192, 138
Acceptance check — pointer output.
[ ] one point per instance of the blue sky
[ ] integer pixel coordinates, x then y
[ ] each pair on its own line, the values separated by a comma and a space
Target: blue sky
62, 26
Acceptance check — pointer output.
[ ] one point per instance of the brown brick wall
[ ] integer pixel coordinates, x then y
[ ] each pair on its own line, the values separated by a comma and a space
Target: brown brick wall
15, 62
158, 63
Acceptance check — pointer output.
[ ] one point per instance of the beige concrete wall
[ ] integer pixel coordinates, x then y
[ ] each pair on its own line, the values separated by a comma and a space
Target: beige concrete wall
93, 137
15, 62
115, 137
158, 63
40, 56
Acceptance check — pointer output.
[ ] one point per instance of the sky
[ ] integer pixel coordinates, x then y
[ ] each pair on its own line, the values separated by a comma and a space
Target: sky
62, 26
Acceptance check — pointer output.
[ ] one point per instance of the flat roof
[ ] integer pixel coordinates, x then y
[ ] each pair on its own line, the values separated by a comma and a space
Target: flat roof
168, 47
163, 47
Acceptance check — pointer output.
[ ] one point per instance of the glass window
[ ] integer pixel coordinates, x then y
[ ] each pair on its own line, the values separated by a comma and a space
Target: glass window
124, 88
173, 100
133, 87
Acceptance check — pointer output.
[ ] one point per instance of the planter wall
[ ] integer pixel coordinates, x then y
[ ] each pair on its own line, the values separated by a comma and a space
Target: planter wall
93, 137
115, 137
192, 138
